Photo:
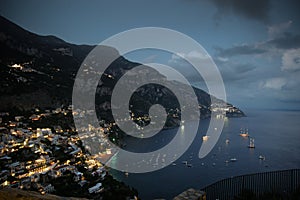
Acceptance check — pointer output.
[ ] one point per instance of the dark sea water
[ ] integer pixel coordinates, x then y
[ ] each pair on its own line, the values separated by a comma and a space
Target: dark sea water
277, 137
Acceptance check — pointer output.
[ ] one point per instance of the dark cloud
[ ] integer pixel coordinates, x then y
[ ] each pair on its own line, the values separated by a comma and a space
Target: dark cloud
254, 9
232, 71
288, 41
241, 69
239, 50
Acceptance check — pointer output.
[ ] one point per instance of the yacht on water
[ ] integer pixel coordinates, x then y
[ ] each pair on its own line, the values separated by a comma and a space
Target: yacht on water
205, 138
251, 143
261, 157
244, 133
189, 165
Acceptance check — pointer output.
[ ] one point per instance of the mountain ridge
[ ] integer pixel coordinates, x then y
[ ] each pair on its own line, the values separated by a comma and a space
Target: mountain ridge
39, 71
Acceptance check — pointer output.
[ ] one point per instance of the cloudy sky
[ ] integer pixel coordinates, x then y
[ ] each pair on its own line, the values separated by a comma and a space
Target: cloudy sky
255, 44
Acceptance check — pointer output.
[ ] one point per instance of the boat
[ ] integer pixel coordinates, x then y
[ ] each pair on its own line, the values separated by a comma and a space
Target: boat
189, 165
227, 141
233, 159
184, 162
205, 138
251, 143
244, 133
261, 157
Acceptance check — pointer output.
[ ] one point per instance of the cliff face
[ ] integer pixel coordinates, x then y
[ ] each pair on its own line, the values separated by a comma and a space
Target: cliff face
39, 71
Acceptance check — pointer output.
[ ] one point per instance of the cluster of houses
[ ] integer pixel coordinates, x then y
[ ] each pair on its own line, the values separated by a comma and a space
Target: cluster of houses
28, 158
225, 108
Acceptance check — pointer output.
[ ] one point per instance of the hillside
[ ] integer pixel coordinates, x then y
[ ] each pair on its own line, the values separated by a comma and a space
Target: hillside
39, 71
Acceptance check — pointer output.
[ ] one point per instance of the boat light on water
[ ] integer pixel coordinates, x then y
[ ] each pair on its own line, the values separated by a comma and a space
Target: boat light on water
244, 133
205, 138
261, 157
251, 143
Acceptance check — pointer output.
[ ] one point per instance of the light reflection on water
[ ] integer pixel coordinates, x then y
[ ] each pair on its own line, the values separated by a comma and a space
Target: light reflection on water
276, 133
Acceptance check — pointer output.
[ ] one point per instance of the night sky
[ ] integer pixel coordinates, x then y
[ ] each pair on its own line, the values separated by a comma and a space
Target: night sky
255, 44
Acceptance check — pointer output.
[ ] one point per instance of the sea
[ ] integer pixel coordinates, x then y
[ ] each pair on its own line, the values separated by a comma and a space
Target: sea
277, 139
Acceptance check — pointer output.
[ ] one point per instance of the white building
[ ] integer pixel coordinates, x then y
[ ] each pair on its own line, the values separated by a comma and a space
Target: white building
95, 188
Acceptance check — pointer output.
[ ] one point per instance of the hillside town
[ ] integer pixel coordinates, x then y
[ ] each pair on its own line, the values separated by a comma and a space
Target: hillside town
41, 151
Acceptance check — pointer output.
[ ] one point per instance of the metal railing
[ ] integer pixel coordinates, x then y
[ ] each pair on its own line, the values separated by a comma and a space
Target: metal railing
283, 182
